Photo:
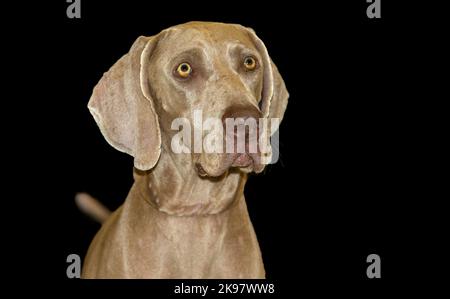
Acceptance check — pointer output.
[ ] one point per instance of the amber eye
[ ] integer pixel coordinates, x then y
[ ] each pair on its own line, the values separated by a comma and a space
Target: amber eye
184, 70
249, 63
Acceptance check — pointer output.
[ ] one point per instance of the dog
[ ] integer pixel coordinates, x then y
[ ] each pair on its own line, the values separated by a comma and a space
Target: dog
185, 215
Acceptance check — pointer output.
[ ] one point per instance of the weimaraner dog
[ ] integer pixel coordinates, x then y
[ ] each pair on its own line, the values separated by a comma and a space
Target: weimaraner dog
185, 215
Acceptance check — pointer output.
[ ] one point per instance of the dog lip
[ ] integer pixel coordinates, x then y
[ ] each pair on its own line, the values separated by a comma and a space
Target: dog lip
242, 160
200, 170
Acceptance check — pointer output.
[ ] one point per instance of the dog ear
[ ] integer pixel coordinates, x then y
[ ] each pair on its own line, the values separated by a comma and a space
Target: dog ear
274, 94
122, 106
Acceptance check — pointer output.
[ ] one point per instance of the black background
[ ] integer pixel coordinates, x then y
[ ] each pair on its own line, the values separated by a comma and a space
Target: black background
351, 180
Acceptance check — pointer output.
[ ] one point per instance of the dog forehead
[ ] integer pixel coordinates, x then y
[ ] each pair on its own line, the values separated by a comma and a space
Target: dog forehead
208, 33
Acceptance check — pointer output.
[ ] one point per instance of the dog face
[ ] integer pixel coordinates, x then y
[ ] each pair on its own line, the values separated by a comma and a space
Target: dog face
216, 70
212, 70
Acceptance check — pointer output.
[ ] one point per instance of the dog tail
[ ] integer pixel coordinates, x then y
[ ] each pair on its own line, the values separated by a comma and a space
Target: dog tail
92, 207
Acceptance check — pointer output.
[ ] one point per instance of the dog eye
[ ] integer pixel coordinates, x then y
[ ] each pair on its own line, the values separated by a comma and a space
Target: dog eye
250, 63
184, 70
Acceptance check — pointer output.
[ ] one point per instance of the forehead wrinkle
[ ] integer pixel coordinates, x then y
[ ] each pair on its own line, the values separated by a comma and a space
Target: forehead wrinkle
243, 48
212, 38
207, 44
188, 39
191, 50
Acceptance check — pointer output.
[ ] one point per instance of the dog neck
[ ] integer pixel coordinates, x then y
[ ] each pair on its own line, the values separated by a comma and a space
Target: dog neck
174, 187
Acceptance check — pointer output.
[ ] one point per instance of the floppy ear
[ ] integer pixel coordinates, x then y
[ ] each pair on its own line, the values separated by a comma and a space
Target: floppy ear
274, 94
123, 108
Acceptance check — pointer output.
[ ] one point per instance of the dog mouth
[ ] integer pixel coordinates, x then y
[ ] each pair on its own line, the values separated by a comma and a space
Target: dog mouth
200, 170
243, 161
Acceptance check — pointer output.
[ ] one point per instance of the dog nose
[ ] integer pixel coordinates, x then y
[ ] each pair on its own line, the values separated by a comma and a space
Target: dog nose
244, 112
241, 129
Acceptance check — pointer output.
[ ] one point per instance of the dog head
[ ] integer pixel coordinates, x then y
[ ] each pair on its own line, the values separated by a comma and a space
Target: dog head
215, 81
